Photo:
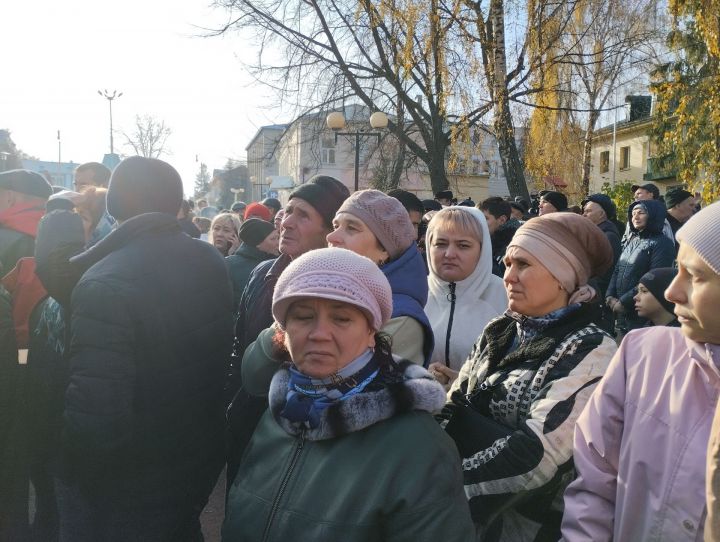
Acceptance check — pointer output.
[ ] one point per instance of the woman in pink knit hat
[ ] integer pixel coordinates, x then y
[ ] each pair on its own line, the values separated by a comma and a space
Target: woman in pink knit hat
378, 227
349, 432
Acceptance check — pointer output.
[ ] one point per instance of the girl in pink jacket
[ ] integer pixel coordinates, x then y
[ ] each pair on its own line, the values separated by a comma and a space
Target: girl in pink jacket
640, 443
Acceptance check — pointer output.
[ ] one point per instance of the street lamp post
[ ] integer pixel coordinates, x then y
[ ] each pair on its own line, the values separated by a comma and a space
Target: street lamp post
336, 122
110, 97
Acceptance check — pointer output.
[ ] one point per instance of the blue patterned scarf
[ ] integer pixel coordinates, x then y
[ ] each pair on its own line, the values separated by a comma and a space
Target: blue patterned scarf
307, 397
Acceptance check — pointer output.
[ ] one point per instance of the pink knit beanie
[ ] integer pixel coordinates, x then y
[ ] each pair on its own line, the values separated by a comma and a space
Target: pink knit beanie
702, 233
336, 274
385, 217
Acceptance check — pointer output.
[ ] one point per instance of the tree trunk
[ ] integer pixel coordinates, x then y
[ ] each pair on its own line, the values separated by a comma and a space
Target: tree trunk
587, 150
503, 122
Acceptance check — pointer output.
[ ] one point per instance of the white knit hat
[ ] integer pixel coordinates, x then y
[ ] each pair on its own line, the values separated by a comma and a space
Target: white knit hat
702, 233
339, 275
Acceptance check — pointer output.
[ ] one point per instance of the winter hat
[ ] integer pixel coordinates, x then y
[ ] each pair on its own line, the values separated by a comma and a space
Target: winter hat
558, 200
26, 182
657, 281
444, 194
336, 274
385, 217
238, 206
570, 247
604, 201
325, 194
257, 210
254, 231
675, 196
274, 203
702, 233
144, 185
520, 205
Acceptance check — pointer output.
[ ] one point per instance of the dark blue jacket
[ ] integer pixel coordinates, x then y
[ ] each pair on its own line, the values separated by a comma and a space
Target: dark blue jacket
613, 235
408, 281
151, 331
644, 250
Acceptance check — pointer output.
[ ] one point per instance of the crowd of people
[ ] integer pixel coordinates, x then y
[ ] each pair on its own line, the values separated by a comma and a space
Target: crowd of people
362, 366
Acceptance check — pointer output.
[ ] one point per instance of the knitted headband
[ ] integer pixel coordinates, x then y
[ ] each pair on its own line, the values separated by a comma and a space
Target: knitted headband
335, 274
702, 233
569, 246
385, 216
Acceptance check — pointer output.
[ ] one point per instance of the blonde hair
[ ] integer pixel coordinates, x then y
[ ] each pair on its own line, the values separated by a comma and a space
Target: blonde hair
224, 217
454, 219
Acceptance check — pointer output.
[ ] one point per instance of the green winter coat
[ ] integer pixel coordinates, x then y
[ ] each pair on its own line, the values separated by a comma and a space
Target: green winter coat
378, 468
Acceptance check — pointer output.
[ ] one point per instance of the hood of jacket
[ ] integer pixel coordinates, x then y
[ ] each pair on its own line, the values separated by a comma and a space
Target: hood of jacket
416, 390
478, 299
407, 278
657, 213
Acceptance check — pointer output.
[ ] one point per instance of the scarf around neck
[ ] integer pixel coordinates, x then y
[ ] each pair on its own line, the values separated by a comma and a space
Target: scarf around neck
307, 397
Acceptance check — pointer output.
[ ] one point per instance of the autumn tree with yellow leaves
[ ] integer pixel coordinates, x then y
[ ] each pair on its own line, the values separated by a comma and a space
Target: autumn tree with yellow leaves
687, 114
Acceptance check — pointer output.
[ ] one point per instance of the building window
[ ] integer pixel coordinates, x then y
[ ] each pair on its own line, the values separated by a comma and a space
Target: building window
604, 161
624, 157
327, 148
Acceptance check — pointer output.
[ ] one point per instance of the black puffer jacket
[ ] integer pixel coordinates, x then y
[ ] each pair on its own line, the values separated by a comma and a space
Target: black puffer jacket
644, 250
613, 235
150, 338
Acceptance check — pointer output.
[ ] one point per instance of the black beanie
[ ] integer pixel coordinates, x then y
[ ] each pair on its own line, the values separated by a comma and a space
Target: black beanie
558, 200
676, 196
326, 194
604, 201
26, 182
657, 281
254, 231
144, 185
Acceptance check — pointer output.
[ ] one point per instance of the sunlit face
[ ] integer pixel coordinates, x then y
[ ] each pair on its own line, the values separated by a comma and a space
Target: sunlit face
696, 294
323, 336
454, 254
84, 179
351, 233
594, 212
639, 218
684, 210
545, 207
222, 233
531, 289
492, 222
271, 244
303, 229
646, 304
642, 194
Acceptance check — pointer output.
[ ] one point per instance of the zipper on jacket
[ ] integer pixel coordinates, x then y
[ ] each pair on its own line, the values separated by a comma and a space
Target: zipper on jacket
283, 485
451, 299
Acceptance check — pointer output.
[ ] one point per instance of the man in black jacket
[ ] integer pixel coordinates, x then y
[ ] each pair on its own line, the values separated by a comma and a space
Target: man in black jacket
142, 442
502, 228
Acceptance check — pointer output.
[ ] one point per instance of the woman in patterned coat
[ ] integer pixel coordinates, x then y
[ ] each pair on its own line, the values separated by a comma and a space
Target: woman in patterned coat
513, 407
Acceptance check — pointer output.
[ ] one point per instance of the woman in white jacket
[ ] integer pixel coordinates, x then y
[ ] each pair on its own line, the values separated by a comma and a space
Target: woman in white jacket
464, 295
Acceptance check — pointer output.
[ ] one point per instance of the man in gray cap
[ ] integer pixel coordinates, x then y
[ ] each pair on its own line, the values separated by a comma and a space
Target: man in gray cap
23, 195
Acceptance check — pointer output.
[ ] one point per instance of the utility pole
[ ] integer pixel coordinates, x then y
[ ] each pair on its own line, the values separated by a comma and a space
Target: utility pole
110, 97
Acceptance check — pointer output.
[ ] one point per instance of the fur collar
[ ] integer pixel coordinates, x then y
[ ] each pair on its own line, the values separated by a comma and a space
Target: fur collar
417, 390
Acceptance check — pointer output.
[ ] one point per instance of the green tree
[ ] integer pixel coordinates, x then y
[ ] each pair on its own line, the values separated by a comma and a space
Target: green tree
202, 181
622, 196
687, 119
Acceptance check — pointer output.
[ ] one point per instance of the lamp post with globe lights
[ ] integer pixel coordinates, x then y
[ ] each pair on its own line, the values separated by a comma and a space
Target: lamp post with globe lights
110, 97
336, 122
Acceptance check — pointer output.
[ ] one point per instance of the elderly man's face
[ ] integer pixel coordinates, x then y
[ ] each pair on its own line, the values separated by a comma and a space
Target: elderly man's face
696, 294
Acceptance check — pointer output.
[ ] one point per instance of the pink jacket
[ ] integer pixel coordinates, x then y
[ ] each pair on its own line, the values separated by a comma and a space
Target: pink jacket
641, 442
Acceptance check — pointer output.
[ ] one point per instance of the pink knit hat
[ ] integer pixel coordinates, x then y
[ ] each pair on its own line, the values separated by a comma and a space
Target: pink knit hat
385, 217
336, 274
702, 233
